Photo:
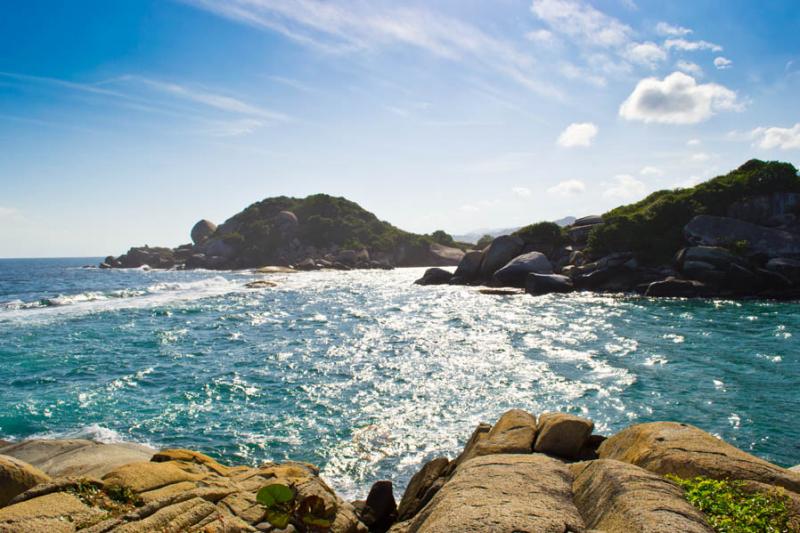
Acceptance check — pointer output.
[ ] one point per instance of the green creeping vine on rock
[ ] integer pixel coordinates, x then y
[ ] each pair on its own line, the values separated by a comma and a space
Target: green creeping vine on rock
730, 508
283, 508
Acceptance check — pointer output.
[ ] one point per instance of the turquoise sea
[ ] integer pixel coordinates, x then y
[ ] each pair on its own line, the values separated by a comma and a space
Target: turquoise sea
367, 375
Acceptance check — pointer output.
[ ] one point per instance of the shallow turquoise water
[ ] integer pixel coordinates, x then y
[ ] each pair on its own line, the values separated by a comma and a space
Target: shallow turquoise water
367, 375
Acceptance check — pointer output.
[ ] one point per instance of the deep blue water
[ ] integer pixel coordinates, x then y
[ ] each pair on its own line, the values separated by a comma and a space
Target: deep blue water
367, 375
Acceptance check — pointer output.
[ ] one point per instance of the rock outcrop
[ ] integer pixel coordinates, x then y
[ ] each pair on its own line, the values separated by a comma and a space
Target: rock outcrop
202, 231
16, 477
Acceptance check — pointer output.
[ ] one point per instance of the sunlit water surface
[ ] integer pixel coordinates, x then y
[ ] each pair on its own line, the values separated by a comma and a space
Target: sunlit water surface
367, 375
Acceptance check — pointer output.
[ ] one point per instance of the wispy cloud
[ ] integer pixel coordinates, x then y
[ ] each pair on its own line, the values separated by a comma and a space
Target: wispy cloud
522, 192
625, 187
691, 46
665, 28
346, 27
567, 188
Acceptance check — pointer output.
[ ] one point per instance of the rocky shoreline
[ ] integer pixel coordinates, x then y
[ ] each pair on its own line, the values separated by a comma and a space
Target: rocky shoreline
549, 473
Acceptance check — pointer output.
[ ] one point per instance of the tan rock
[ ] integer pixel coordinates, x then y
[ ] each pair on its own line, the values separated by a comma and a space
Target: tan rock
245, 506
16, 477
58, 485
58, 506
686, 451
477, 436
618, 497
147, 476
418, 492
167, 491
503, 493
175, 518
76, 457
562, 434
189, 456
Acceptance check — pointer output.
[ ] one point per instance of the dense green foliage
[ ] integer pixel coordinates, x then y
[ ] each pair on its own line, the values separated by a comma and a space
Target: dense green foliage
546, 236
484, 241
730, 508
653, 227
323, 221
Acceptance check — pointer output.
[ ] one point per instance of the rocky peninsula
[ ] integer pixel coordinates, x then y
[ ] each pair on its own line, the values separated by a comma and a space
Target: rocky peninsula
545, 474
734, 236
311, 233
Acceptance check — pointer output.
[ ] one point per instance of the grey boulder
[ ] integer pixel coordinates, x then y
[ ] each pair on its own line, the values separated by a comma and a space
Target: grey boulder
513, 274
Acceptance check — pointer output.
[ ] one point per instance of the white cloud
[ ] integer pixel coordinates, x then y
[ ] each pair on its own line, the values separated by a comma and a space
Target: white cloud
691, 46
648, 54
664, 28
574, 72
651, 171
582, 22
578, 134
625, 187
677, 99
347, 27
689, 67
722, 63
468, 208
8, 212
542, 36
521, 191
693, 142
567, 188
775, 137
700, 157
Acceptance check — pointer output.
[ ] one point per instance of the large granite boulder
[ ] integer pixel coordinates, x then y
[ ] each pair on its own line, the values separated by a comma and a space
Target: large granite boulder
709, 230
562, 434
513, 273
789, 268
588, 220
538, 284
514, 432
718, 257
76, 457
16, 477
52, 513
442, 255
613, 496
686, 451
217, 247
435, 276
469, 267
676, 288
154, 257
202, 231
502, 250
422, 487
506, 492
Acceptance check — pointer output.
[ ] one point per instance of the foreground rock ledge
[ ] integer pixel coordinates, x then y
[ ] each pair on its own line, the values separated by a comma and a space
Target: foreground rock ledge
524, 474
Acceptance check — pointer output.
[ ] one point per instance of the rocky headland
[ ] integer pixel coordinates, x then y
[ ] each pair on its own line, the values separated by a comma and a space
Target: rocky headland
545, 474
734, 236
312, 233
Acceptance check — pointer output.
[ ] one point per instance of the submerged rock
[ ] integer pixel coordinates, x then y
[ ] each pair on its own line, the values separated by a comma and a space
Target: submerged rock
538, 284
435, 276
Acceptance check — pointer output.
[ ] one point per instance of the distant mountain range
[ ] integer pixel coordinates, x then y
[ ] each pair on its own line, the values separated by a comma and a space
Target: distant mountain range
474, 235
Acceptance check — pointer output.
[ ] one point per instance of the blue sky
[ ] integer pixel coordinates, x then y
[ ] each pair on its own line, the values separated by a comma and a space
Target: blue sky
122, 123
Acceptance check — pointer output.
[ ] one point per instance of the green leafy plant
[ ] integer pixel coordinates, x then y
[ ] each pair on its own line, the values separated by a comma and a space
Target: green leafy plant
123, 494
730, 508
284, 508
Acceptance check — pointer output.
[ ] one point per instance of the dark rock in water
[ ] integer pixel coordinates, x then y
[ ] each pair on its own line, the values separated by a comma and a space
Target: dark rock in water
379, 512
153, 257
422, 487
105, 265
260, 284
676, 288
756, 240
435, 276
514, 272
742, 280
202, 231
772, 279
470, 265
307, 264
502, 250
537, 284
589, 220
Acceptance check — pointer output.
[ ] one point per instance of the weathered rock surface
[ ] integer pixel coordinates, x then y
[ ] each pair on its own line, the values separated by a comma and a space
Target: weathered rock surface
59, 511
562, 434
709, 230
502, 250
76, 457
765, 209
469, 267
506, 492
676, 288
514, 432
445, 255
380, 509
435, 276
422, 487
16, 477
202, 231
686, 451
538, 284
513, 273
617, 497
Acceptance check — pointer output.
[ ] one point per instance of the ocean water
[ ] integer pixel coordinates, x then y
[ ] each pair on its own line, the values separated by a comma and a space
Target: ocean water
367, 375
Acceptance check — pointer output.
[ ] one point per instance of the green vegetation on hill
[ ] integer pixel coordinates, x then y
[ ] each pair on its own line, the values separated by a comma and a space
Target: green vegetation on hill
546, 236
653, 227
732, 509
259, 233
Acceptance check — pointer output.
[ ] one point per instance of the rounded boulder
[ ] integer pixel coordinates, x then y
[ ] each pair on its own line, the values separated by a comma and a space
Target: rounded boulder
202, 231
